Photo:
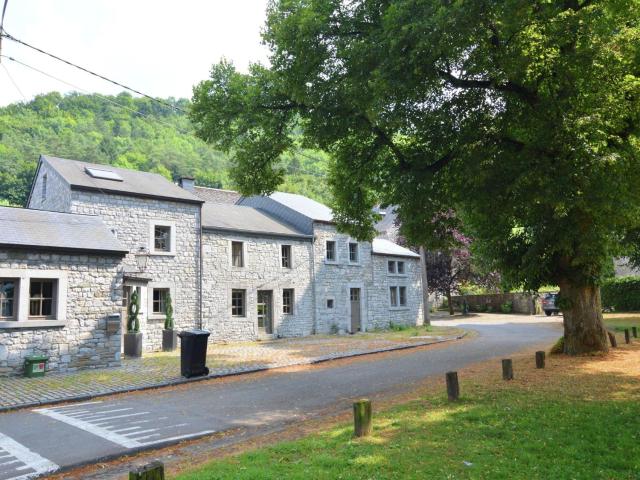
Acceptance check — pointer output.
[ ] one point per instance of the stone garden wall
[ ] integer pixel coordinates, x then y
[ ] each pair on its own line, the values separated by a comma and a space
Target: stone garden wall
521, 302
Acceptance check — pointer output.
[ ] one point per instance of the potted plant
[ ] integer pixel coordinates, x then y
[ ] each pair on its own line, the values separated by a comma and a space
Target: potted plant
133, 337
169, 335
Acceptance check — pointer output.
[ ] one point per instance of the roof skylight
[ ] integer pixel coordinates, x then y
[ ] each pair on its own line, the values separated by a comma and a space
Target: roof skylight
103, 174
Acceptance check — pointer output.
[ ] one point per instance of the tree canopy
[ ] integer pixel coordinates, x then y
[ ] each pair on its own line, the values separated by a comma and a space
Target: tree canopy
128, 132
520, 116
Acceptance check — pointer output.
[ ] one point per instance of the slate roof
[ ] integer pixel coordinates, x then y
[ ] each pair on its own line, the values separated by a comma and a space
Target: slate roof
44, 230
134, 183
245, 219
217, 195
381, 246
304, 205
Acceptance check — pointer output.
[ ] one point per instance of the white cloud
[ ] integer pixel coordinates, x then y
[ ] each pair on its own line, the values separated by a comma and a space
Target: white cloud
160, 47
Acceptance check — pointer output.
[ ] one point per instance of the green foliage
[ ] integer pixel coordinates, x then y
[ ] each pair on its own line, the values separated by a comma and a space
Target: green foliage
520, 117
506, 307
133, 309
93, 129
558, 347
621, 294
398, 327
168, 306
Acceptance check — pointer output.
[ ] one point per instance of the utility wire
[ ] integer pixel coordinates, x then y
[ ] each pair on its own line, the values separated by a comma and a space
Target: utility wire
4, 33
105, 98
4, 10
13, 81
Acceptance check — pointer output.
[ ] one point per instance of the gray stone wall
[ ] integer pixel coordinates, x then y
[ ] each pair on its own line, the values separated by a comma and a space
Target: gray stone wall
520, 302
334, 280
57, 197
262, 271
92, 292
131, 219
381, 312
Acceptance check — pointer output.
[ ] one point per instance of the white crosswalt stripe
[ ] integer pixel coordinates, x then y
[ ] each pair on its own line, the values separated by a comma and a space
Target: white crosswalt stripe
95, 427
30, 459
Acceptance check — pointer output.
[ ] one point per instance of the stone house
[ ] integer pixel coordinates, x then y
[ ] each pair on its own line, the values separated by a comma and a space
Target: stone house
243, 268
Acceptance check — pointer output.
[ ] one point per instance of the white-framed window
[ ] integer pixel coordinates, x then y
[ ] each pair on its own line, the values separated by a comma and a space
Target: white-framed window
42, 298
401, 270
330, 303
8, 298
331, 255
354, 252
397, 297
238, 303
159, 301
162, 238
237, 254
32, 298
392, 267
285, 255
288, 296
393, 296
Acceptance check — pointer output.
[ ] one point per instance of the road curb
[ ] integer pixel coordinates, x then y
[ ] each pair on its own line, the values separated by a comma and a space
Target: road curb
182, 381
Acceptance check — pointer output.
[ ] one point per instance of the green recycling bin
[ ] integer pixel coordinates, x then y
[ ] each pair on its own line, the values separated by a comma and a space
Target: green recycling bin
35, 365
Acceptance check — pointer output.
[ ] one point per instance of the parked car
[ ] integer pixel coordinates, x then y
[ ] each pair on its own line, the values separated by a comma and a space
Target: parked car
549, 304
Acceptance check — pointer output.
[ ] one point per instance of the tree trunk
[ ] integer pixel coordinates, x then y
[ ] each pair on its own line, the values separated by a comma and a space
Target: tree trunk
584, 330
449, 302
425, 286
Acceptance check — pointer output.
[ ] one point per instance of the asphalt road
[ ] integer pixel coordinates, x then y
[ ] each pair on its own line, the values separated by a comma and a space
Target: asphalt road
35, 442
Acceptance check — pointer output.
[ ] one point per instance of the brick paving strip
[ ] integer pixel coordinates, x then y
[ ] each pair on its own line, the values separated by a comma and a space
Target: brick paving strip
163, 369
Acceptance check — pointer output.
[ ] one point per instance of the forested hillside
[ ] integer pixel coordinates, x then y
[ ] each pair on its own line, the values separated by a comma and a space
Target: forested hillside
127, 132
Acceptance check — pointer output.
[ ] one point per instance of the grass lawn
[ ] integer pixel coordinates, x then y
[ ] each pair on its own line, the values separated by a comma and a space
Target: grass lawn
577, 419
620, 321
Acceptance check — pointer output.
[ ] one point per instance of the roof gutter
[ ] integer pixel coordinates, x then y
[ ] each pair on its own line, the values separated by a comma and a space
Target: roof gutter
134, 194
257, 233
72, 250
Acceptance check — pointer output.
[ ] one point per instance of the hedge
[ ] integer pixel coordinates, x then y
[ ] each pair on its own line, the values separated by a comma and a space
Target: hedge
621, 294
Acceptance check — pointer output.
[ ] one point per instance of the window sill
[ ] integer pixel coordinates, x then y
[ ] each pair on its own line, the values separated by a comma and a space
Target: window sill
162, 254
32, 324
401, 275
157, 316
331, 262
395, 309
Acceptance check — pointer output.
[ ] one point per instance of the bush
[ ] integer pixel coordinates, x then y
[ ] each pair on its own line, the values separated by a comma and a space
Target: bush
558, 347
397, 327
506, 307
621, 294
334, 329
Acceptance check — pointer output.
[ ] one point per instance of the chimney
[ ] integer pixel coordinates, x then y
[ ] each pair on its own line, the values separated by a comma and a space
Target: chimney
188, 183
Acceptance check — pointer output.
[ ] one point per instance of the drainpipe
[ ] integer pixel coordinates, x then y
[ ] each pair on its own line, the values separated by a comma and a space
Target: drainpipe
425, 286
201, 279
313, 281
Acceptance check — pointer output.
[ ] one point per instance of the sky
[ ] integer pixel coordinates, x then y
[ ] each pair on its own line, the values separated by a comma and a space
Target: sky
160, 47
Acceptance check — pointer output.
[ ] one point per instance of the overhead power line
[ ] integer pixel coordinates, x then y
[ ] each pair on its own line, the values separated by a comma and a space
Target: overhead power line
5, 34
13, 81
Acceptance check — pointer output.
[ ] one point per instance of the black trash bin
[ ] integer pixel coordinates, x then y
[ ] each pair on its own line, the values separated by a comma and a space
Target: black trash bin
193, 353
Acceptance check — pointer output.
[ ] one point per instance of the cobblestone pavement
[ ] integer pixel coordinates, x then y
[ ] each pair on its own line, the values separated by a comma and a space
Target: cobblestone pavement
161, 369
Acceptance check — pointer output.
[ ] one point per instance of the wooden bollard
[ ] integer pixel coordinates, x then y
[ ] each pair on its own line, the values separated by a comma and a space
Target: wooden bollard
627, 336
634, 331
362, 417
151, 471
612, 339
540, 359
453, 387
507, 369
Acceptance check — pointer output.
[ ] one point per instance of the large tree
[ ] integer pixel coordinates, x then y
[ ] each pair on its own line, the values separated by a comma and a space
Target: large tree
521, 116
